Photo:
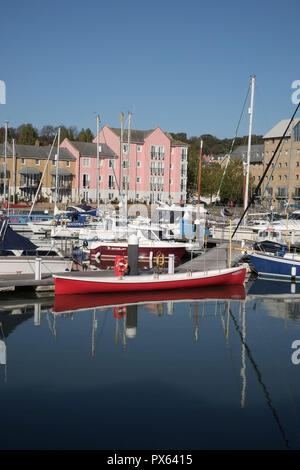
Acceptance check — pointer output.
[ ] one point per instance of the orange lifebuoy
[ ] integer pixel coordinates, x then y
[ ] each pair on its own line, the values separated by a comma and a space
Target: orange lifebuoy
122, 264
120, 312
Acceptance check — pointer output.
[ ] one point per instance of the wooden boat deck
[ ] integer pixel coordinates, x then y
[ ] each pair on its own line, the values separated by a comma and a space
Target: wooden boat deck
214, 258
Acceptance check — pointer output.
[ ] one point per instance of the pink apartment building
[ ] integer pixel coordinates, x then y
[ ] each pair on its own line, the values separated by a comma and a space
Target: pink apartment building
85, 179
152, 168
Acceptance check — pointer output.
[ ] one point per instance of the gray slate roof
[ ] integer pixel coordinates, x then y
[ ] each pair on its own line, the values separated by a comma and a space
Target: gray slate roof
38, 152
256, 156
61, 172
280, 127
139, 136
89, 149
136, 136
28, 170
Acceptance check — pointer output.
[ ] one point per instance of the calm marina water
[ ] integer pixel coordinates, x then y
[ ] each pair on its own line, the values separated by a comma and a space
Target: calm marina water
185, 373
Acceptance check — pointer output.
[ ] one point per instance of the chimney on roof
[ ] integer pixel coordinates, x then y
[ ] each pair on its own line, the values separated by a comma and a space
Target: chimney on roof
37, 143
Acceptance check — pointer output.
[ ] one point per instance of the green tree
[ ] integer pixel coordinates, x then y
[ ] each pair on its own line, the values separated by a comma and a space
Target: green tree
89, 135
232, 188
85, 135
27, 134
82, 136
68, 133
210, 179
47, 134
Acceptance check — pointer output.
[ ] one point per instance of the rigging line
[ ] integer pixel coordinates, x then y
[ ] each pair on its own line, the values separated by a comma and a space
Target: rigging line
43, 174
273, 168
266, 171
259, 377
232, 143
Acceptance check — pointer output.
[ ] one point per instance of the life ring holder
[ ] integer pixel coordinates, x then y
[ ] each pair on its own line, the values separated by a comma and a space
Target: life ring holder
122, 264
160, 259
63, 223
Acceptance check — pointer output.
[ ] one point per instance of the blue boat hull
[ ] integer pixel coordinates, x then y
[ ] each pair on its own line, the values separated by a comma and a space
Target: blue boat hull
270, 266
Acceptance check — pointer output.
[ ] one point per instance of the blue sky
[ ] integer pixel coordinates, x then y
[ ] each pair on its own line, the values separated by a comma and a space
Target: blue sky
182, 65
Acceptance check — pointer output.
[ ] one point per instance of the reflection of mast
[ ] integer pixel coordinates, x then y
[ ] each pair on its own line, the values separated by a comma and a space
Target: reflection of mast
3, 360
53, 326
196, 320
95, 324
259, 377
37, 315
243, 367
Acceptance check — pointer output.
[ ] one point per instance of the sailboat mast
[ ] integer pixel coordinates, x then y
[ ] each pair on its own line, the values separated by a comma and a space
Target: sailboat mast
249, 144
199, 173
121, 159
14, 171
98, 167
56, 172
5, 161
128, 155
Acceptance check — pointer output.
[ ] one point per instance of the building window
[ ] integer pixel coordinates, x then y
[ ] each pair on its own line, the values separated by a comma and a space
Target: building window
171, 166
111, 164
67, 164
139, 164
23, 161
85, 180
297, 133
125, 148
111, 182
138, 179
138, 148
37, 161
184, 153
86, 163
53, 163
157, 152
297, 177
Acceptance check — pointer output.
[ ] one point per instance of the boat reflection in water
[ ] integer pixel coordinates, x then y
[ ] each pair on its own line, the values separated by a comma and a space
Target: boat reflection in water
281, 298
82, 302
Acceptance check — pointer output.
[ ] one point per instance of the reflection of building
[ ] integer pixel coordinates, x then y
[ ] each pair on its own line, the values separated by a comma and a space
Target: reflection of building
24, 172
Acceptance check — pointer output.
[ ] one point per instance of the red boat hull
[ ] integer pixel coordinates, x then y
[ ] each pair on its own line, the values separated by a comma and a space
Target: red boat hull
64, 303
69, 285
